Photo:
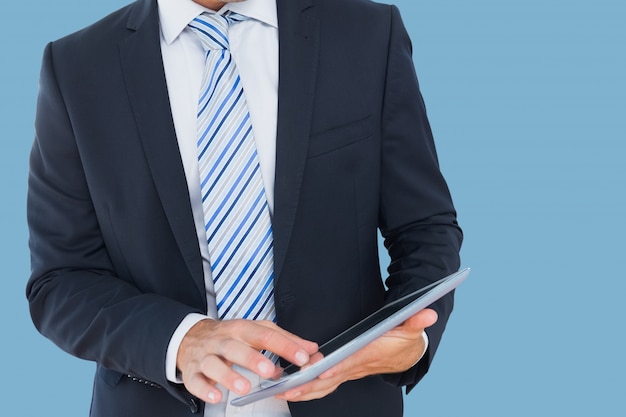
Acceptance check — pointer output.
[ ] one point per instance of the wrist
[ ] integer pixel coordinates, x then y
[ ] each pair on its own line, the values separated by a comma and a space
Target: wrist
171, 370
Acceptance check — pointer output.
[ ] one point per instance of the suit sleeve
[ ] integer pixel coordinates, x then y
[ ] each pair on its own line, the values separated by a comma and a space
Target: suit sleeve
76, 298
417, 217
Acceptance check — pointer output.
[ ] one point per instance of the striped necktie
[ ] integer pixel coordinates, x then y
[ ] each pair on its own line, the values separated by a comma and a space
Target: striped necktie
236, 214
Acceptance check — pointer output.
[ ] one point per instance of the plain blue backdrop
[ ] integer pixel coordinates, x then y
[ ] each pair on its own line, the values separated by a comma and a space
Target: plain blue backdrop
527, 100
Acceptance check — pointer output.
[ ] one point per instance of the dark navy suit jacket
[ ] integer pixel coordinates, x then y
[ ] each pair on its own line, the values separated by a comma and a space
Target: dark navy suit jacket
115, 258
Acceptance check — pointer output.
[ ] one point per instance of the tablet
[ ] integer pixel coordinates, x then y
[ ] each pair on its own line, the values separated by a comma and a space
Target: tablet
357, 336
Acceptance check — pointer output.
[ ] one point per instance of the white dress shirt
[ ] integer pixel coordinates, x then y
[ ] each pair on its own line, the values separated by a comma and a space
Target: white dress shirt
257, 62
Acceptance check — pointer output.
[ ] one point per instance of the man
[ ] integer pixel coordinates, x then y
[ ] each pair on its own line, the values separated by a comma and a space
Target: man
123, 267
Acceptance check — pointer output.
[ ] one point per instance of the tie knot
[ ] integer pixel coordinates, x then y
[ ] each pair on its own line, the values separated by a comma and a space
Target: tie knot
213, 29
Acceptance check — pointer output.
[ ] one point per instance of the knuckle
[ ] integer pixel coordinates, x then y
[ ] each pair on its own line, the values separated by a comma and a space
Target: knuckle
237, 326
267, 323
229, 378
271, 340
267, 336
225, 347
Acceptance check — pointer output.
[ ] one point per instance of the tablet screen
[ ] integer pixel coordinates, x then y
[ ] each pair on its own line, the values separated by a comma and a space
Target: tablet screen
367, 323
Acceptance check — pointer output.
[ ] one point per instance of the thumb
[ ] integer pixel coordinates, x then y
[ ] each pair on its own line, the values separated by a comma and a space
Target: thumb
421, 320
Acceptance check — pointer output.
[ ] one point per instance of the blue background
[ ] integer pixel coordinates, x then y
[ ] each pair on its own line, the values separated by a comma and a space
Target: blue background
527, 100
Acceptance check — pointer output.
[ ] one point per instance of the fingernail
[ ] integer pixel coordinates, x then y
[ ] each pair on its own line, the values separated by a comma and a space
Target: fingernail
211, 397
265, 368
302, 358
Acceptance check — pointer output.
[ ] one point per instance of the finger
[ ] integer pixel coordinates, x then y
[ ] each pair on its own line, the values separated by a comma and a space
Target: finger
308, 346
202, 387
311, 391
268, 336
415, 325
243, 339
236, 352
350, 368
335, 370
316, 357
215, 369
314, 395
422, 319
279, 372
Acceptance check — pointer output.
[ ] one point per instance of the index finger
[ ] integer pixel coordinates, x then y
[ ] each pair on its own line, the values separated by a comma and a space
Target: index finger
269, 336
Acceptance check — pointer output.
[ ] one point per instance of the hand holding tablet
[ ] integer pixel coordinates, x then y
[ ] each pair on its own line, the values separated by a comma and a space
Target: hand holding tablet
358, 336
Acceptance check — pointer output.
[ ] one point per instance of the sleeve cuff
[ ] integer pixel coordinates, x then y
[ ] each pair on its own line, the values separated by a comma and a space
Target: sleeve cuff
425, 337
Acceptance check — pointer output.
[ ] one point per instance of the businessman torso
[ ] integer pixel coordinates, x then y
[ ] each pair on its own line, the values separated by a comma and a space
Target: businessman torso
354, 153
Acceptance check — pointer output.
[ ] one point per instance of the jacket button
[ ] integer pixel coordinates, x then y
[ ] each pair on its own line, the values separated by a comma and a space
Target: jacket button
193, 405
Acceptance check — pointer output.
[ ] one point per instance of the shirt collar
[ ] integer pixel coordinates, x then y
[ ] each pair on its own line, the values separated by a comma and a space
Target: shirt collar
175, 15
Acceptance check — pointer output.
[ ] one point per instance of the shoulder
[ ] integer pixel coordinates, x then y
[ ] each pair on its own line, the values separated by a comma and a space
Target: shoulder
358, 18
110, 29
96, 46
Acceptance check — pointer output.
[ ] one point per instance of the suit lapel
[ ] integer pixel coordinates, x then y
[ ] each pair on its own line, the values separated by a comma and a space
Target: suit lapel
298, 60
147, 90
144, 77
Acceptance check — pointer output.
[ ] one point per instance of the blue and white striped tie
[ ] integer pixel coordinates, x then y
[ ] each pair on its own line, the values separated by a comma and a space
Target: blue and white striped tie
237, 219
